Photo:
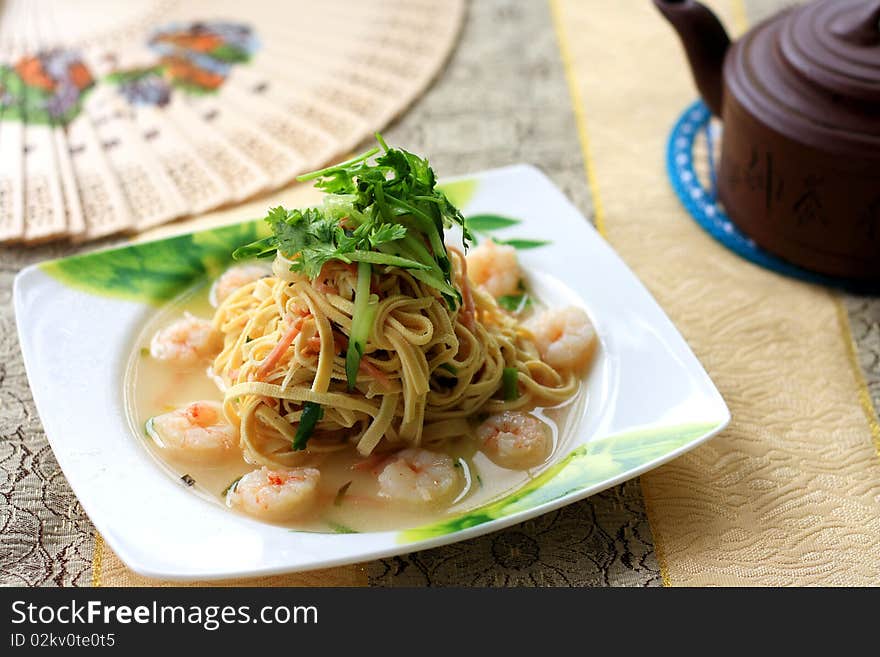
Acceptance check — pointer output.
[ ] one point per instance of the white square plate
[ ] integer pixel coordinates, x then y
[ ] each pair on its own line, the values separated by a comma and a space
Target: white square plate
649, 400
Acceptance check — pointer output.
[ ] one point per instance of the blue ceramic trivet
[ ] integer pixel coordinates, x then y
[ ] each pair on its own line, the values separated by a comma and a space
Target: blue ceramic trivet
700, 199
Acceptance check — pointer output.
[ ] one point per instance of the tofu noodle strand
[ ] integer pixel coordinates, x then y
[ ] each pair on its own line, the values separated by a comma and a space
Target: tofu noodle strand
425, 370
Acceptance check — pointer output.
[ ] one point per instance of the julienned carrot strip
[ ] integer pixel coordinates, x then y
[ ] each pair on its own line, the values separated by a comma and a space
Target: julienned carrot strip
368, 368
469, 309
340, 343
279, 349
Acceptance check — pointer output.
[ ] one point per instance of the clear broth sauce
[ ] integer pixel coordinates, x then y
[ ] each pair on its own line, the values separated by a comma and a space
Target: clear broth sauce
153, 387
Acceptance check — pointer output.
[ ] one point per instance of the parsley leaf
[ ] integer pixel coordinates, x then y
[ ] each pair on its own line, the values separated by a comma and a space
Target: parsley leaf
380, 208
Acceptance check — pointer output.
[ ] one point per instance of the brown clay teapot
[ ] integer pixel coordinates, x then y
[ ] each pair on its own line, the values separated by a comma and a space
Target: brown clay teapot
799, 96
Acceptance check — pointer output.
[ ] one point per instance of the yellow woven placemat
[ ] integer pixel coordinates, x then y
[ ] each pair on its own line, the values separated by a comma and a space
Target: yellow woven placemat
790, 493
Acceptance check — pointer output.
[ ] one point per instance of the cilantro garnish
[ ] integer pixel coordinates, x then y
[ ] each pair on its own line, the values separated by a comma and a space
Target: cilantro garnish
380, 208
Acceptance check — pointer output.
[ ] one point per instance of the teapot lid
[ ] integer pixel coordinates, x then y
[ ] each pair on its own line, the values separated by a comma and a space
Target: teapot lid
813, 72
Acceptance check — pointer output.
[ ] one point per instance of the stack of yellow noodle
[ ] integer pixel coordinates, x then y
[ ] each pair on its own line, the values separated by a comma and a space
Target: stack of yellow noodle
425, 371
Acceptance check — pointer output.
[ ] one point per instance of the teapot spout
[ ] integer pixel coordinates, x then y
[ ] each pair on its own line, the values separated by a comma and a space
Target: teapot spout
705, 42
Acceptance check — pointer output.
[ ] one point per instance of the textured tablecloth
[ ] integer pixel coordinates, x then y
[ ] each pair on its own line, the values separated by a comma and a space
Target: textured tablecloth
788, 495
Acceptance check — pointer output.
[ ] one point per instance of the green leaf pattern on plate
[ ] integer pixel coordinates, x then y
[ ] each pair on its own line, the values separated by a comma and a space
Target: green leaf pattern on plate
488, 223
459, 192
485, 223
524, 244
585, 467
153, 272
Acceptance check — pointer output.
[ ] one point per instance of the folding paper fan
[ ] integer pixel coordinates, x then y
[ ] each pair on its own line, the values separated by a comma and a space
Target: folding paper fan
121, 116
